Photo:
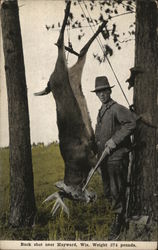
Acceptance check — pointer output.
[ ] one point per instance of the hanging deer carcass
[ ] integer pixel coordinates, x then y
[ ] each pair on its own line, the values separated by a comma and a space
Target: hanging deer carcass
76, 137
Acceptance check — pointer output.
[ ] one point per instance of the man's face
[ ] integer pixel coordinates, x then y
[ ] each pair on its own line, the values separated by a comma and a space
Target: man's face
104, 95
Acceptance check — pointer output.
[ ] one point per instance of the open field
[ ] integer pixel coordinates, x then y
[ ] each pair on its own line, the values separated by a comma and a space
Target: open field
86, 222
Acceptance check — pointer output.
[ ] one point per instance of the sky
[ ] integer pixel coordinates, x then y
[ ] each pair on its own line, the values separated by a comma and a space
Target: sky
40, 55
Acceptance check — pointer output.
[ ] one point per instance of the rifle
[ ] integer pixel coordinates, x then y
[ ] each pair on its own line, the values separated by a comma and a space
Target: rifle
129, 181
92, 171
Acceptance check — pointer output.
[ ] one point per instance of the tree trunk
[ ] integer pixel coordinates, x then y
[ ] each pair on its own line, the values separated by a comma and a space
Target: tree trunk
22, 201
145, 102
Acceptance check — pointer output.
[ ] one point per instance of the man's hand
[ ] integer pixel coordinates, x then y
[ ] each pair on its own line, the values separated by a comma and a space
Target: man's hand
109, 146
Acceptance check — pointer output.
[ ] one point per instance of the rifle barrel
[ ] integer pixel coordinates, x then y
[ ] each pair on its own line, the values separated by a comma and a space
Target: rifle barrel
92, 171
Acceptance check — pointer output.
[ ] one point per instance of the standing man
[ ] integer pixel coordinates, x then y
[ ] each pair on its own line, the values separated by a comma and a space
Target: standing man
115, 124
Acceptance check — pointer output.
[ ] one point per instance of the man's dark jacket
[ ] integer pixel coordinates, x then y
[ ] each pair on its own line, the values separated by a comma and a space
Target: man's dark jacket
115, 122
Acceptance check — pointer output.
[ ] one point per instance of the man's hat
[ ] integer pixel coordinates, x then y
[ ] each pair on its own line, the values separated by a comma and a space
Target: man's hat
101, 83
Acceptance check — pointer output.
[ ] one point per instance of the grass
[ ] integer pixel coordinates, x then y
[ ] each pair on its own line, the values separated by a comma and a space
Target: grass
86, 222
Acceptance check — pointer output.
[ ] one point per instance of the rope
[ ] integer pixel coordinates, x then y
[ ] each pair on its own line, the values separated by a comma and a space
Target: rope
102, 48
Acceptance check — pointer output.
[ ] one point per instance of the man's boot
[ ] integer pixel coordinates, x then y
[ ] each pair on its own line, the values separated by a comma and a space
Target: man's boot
116, 227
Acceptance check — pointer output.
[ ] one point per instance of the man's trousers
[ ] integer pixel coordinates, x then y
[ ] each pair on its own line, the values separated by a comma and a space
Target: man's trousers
114, 176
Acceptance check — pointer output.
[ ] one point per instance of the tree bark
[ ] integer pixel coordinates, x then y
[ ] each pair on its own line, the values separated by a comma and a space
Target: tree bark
145, 102
22, 200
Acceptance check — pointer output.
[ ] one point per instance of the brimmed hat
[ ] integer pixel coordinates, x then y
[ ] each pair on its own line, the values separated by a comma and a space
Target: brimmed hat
101, 83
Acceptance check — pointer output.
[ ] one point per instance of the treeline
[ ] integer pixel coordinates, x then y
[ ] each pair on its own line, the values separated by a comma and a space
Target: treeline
39, 144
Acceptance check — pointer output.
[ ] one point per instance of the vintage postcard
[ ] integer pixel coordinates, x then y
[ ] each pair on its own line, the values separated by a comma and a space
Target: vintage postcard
77, 139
